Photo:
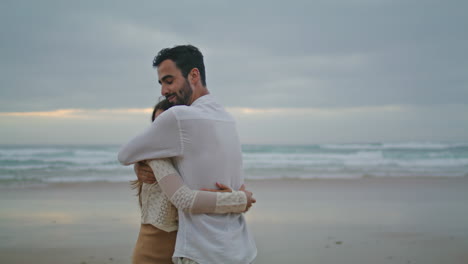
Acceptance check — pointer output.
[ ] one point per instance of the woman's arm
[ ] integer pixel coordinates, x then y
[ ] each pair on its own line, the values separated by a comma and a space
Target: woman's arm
192, 201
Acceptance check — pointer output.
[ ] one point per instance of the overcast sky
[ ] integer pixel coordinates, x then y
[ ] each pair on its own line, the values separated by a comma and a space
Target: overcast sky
289, 71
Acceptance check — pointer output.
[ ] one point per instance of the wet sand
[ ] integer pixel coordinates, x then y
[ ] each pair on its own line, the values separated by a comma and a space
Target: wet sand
368, 220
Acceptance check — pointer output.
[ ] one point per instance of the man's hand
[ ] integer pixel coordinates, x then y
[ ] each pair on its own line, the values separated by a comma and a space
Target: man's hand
225, 188
144, 173
222, 188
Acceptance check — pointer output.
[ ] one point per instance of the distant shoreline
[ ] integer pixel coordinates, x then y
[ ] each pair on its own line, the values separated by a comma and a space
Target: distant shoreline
366, 178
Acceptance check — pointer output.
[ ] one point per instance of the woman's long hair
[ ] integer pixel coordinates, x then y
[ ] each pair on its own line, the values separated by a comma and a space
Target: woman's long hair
163, 105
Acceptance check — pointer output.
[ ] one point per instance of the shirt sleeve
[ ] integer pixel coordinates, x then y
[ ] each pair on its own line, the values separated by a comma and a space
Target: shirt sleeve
197, 202
161, 140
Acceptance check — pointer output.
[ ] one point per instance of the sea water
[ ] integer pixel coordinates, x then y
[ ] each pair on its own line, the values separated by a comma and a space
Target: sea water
32, 164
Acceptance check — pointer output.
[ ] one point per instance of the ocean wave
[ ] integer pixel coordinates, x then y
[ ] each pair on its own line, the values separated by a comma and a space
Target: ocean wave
402, 146
421, 145
369, 146
99, 163
361, 158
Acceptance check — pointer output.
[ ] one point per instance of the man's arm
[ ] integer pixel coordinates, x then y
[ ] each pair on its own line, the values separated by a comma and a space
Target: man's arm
194, 201
160, 140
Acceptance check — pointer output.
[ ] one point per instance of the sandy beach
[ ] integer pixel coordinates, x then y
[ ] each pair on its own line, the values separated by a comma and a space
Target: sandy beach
371, 220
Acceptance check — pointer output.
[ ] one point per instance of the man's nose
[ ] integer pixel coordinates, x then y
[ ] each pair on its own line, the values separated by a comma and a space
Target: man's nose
164, 90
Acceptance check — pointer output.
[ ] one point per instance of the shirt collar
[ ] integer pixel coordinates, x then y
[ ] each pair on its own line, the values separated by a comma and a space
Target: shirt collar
202, 100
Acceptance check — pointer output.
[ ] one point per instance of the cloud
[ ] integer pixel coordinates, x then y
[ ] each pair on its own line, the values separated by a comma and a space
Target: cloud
393, 123
355, 66
319, 112
79, 113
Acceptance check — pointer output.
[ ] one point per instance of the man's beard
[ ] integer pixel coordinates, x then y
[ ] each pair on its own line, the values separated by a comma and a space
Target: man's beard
184, 94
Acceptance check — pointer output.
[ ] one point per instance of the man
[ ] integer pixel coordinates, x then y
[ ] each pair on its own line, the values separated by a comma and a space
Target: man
201, 138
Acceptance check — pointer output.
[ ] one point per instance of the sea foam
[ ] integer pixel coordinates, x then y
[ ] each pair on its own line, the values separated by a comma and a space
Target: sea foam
46, 164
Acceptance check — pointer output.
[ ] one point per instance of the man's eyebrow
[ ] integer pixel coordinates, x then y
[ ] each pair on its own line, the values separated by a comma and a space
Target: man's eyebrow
165, 78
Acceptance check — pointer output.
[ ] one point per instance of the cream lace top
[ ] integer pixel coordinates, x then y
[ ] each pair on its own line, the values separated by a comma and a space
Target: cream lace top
161, 200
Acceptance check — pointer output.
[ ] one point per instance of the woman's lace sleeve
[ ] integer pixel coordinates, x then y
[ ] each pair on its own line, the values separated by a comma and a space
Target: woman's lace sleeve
199, 202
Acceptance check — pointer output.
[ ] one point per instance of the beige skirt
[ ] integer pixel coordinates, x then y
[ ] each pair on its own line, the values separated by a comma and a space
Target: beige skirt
154, 246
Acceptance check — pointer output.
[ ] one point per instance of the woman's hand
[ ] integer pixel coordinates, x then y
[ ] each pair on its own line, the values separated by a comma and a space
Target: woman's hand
250, 199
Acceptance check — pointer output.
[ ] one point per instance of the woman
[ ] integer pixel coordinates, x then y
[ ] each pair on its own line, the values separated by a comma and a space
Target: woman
160, 201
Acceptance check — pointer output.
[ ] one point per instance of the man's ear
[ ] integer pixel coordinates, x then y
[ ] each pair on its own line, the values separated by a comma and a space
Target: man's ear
194, 76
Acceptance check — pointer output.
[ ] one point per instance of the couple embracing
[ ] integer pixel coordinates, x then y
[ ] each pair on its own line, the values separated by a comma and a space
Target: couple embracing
191, 146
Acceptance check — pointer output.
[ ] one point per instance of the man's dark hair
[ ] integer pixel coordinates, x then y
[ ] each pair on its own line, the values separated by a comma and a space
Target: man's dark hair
185, 57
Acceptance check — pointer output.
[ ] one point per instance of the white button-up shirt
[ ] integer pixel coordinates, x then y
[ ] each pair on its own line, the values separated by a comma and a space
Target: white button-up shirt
203, 141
